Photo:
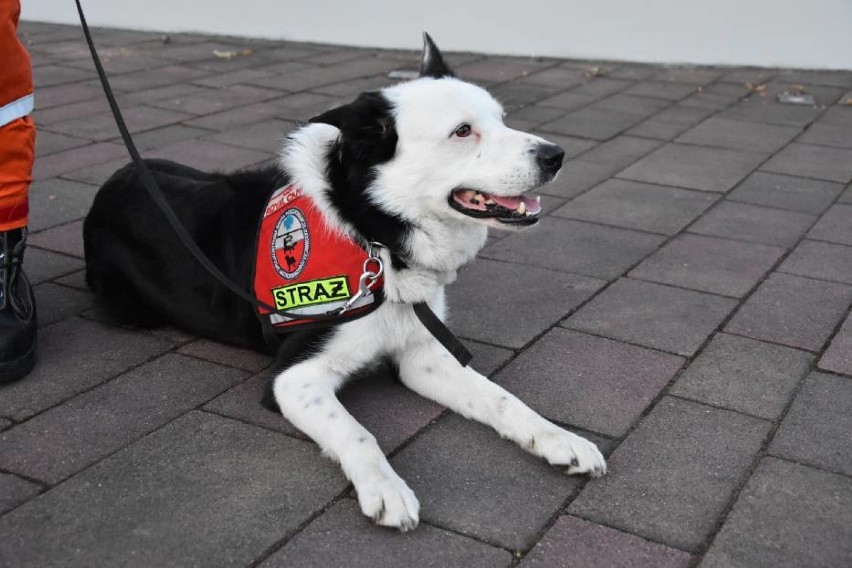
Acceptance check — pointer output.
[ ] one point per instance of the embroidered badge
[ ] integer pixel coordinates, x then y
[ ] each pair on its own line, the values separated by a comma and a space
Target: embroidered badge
291, 244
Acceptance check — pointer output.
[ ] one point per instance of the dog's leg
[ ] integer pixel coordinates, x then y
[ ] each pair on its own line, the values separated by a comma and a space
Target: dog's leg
306, 395
431, 372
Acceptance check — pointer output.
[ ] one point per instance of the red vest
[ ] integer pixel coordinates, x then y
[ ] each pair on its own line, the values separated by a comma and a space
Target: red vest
305, 267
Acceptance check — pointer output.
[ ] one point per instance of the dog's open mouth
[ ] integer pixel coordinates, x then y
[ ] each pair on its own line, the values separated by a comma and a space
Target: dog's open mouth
517, 209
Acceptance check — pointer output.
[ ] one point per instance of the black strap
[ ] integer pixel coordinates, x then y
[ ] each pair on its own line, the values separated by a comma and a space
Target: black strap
437, 328
426, 316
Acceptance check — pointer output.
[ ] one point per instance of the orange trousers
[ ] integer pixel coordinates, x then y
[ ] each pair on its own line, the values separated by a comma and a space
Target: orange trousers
17, 151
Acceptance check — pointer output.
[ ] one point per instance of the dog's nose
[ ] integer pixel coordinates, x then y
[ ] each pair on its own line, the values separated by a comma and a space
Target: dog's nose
549, 157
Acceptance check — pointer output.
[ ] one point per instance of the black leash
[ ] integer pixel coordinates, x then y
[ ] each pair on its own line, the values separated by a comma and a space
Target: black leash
423, 312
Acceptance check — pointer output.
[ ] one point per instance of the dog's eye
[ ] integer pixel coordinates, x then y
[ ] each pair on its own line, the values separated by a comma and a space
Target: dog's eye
463, 131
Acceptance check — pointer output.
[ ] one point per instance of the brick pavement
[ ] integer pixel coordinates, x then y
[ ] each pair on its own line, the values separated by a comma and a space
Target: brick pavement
685, 303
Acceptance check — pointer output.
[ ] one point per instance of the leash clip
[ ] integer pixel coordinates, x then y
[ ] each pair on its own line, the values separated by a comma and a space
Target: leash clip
368, 278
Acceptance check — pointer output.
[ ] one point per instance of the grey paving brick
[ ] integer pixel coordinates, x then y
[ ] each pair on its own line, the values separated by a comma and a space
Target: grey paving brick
515, 95
688, 75
41, 265
72, 436
670, 123
530, 299
159, 137
267, 136
558, 76
600, 86
83, 354
634, 205
227, 355
694, 167
846, 196
470, 481
57, 201
211, 156
303, 106
357, 543
755, 224
76, 158
594, 123
74, 280
787, 516
838, 356
499, 69
660, 90
769, 111
633, 71
717, 266
56, 303
237, 77
737, 135
573, 147
487, 358
594, 383
5, 423
819, 162
831, 78
793, 311
203, 490
575, 542
14, 491
147, 79
49, 75
89, 107
568, 101
209, 101
67, 239
786, 192
835, 226
828, 134
172, 93
238, 117
820, 260
662, 317
673, 476
537, 114
349, 90
745, 375
816, 429
63, 95
313, 77
572, 246
103, 127
48, 142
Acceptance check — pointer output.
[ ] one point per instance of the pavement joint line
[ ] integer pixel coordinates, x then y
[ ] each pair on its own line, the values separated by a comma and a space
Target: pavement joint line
43, 485
720, 407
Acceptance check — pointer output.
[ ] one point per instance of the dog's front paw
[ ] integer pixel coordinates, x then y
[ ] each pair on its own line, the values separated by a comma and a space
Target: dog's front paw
387, 499
575, 453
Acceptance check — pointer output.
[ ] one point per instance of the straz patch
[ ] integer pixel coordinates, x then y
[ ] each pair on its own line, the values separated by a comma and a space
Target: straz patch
311, 293
304, 267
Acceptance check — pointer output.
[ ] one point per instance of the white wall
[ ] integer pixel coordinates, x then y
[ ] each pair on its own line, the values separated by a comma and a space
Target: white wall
787, 33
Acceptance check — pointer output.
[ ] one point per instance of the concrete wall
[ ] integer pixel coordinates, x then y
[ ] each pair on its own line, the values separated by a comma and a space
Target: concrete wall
787, 33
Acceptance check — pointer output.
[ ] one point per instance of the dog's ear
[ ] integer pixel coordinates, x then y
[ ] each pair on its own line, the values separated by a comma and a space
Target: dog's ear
432, 62
369, 114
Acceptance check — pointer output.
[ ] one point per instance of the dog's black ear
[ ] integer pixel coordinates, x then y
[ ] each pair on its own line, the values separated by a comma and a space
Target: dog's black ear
432, 62
368, 115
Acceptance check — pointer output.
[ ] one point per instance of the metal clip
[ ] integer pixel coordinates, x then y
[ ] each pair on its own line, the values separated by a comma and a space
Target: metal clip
368, 276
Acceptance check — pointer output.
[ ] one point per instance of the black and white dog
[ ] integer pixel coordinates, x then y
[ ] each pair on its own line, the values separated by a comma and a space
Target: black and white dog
423, 168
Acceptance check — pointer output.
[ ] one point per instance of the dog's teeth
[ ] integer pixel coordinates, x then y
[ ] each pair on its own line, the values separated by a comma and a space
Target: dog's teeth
522, 208
489, 201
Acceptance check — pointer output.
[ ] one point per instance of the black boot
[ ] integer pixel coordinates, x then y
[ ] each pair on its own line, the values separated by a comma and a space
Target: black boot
17, 309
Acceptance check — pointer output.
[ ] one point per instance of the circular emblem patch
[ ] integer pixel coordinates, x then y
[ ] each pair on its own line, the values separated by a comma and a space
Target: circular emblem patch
291, 244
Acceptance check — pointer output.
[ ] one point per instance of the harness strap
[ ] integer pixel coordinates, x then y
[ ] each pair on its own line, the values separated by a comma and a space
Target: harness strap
437, 328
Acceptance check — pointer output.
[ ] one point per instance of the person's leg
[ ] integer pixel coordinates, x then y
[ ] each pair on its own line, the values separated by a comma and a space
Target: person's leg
17, 303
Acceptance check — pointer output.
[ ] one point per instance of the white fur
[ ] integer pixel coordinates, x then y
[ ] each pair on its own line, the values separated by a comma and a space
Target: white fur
428, 165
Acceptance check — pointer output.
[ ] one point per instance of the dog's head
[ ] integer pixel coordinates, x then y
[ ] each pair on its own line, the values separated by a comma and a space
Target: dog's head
437, 146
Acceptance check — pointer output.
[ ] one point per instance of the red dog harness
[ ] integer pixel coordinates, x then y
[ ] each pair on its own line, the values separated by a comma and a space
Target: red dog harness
309, 270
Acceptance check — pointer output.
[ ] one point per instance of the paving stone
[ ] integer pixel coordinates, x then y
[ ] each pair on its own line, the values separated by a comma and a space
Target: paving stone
816, 429
267, 136
56, 303
171, 93
838, 356
41, 265
820, 162
633, 71
203, 490
717, 266
670, 122
771, 112
84, 354
5, 423
601, 86
76, 158
51, 142
594, 383
606, 118
207, 155
359, 543
689, 75
227, 355
148, 79
470, 481
515, 95
555, 77
313, 77
49, 75
14, 491
159, 137
573, 246
209, 101
238, 117
832, 78
351, 89
524, 314
672, 478
823, 95
537, 114
568, 101
103, 127
793, 311
820, 260
641, 206
736, 135
63, 95
694, 167
828, 135
753, 75
787, 516
574, 542
662, 317
200, 50
238, 77
755, 224
58, 201
835, 226
74, 280
573, 147
487, 358
786, 192
744, 375
499, 69
846, 196
72, 436
660, 90
67, 239
45, 119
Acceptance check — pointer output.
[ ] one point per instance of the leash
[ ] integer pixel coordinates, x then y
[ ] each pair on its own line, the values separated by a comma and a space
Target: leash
426, 316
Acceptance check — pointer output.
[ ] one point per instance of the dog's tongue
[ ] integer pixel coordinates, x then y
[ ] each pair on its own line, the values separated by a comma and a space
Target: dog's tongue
532, 203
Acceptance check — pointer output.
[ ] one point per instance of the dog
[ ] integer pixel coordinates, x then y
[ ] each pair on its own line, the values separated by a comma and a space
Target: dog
416, 173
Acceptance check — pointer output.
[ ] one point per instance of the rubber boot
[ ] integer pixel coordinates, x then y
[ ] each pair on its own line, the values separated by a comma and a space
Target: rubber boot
17, 309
